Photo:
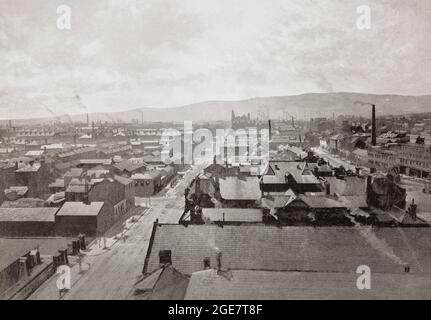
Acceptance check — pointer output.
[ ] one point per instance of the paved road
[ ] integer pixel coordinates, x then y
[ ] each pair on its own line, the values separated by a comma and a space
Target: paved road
110, 273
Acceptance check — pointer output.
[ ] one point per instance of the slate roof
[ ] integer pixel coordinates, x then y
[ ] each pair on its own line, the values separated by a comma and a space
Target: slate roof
163, 284
95, 161
28, 214
354, 201
12, 249
234, 188
74, 172
274, 285
20, 190
129, 166
58, 183
123, 180
349, 186
321, 202
77, 186
232, 214
333, 249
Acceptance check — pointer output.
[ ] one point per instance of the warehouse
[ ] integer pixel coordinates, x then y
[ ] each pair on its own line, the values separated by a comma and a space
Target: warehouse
91, 219
27, 222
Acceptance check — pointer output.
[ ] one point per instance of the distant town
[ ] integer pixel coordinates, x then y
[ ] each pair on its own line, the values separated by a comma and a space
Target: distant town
289, 214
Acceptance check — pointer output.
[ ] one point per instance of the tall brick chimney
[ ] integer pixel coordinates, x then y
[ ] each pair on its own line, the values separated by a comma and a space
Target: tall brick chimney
269, 129
373, 125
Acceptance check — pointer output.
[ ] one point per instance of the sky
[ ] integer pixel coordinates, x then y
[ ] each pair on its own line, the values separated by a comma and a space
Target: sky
125, 54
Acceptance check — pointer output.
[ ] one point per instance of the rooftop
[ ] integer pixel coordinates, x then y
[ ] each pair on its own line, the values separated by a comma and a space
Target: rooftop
28, 214
232, 214
234, 188
274, 285
123, 180
319, 249
80, 209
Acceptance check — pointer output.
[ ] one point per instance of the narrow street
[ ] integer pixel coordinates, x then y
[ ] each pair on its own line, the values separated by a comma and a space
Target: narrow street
110, 273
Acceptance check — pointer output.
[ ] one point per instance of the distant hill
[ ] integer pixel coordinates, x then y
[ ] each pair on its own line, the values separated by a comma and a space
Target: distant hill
301, 106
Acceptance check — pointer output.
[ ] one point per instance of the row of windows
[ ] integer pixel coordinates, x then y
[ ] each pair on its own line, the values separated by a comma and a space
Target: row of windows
142, 183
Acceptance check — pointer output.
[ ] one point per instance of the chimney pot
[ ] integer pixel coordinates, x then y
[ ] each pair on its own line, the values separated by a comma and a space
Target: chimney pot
165, 257
219, 260
373, 125
207, 263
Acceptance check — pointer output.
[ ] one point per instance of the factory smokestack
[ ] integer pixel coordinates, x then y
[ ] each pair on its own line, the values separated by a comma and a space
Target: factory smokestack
373, 125
269, 129
373, 120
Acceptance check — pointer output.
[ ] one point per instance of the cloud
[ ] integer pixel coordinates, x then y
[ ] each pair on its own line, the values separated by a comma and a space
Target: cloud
126, 54
90, 49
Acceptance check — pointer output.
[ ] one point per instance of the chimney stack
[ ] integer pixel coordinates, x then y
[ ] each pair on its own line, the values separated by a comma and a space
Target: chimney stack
218, 260
373, 125
86, 194
413, 210
207, 263
328, 188
269, 129
165, 258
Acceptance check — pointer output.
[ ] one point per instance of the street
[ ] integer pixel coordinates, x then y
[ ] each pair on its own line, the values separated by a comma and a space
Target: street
111, 273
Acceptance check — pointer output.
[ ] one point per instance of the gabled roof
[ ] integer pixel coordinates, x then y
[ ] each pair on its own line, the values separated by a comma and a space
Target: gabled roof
129, 166
320, 202
165, 283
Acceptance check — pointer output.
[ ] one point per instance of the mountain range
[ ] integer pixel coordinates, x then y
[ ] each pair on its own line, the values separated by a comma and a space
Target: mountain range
304, 106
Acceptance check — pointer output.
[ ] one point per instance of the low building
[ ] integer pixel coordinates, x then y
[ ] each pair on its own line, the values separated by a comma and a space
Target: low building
27, 222
314, 210
238, 192
284, 175
128, 167
147, 184
91, 219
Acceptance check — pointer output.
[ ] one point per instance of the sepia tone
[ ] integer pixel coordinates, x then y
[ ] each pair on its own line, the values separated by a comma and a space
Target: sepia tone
215, 150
